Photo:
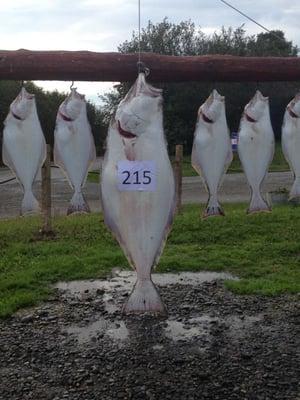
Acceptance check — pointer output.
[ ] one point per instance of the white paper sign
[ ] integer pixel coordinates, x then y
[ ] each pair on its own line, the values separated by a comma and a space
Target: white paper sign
136, 176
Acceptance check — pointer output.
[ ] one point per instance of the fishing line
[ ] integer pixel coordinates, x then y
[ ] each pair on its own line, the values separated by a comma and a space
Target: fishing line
139, 27
252, 20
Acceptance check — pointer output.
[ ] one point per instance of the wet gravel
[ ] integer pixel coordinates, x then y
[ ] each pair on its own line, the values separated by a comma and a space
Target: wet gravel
213, 345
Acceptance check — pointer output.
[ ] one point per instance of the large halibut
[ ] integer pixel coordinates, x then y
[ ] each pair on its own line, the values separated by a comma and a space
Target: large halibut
139, 216
24, 146
74, 147
212, 152
290, 141
256, 147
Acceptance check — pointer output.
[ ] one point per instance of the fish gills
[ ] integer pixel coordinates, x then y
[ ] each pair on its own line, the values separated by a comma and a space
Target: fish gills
24, 146
212, 152
74, 147
140, 220
256, 148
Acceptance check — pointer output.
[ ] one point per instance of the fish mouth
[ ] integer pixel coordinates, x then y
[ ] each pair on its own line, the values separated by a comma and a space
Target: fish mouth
125, 134
292, 113
65, 117
206, 119
250, 119
16, 116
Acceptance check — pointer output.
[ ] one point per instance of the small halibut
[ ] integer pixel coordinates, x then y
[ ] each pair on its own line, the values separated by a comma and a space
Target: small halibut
140, 220
256, 147
74, 147
24, 146
212, 152
290, 142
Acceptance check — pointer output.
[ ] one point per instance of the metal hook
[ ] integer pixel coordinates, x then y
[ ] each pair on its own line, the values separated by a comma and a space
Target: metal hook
22, 83
142, 68
71, 86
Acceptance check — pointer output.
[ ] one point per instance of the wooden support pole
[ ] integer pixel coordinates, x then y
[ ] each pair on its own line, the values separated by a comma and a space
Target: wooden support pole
118, 67
46, 194
178, 176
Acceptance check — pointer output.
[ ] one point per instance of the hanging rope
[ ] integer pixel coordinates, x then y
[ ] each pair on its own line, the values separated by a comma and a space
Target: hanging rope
139, 27
140, 64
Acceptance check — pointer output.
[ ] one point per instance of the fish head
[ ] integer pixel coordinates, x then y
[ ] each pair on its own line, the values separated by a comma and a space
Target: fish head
211, 110
294, 106
71, 108
21, 107
138, 109
256, 107
136, 112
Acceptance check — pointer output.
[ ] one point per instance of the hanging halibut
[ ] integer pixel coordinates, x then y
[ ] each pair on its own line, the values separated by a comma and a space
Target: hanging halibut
291, 141
24, 146
74, 148
212, 153
137, 188
256, 147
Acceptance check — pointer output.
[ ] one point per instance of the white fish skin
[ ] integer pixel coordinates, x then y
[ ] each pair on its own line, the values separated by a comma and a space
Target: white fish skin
256, 147
74, 147
290, 142
24, 146
140, 220
212, 152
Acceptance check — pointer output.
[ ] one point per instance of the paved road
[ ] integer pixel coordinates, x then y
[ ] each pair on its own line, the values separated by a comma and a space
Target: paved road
234, 189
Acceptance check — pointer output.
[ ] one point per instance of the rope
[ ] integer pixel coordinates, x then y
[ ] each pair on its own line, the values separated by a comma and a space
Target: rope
139, 27
251, 19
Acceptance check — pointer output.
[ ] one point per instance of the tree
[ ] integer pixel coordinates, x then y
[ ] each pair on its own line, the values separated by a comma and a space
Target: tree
182, 100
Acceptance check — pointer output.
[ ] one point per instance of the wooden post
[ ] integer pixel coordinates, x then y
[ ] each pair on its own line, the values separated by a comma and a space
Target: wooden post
178, 176
46, 194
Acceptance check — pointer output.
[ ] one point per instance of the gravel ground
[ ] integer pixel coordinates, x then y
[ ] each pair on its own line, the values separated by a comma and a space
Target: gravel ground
213, 345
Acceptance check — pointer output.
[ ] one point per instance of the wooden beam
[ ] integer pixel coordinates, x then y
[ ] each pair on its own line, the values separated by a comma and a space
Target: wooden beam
91, 66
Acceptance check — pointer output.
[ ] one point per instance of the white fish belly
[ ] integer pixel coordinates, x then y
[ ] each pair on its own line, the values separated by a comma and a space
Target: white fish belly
211, 152
74, 152
291, 143
255, 151
24, 150
138, 219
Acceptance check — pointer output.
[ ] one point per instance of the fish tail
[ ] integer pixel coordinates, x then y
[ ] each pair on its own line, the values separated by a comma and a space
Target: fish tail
257, 203
144, 298
295, 190
78, 204
30, 205
213, 208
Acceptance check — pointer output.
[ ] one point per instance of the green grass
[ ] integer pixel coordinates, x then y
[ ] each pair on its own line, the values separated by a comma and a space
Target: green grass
278, 164
263, 250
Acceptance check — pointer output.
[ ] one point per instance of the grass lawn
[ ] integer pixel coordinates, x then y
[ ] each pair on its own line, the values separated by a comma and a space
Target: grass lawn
278, 164
263, 250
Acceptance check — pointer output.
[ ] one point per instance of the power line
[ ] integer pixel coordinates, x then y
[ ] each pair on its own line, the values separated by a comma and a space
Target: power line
251, 19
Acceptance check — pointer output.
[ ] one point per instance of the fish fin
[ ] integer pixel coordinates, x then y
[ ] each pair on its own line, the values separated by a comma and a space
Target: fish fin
258, 204
229, 159
78, 204
165, 232
112, 226
30, 205
295, 190
9, 163
144, 298
213, 208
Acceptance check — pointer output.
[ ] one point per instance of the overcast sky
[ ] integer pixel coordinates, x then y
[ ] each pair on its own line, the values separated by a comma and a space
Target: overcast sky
100, 25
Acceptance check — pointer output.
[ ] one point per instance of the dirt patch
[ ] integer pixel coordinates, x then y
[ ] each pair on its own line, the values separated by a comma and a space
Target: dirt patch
213, 345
